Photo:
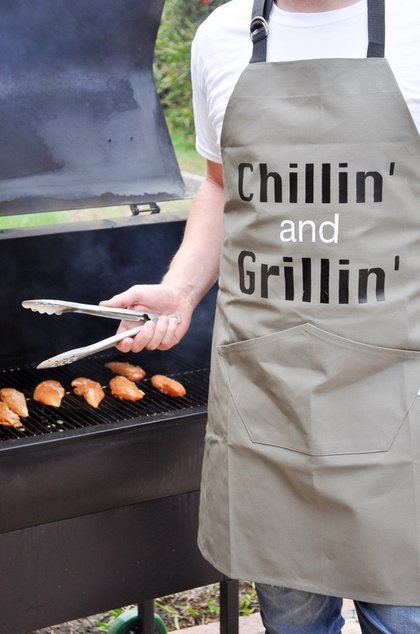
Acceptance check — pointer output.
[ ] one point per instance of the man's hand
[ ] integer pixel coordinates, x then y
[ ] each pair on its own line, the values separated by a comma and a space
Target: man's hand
192, 272
157, 298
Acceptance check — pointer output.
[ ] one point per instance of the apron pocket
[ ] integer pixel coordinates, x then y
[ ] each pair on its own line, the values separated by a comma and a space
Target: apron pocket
307, 390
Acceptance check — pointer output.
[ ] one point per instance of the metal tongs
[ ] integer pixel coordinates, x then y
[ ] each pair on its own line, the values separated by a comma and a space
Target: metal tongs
58, 307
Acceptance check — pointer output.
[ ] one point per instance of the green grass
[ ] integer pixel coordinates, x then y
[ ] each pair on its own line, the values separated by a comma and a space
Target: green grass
188, 158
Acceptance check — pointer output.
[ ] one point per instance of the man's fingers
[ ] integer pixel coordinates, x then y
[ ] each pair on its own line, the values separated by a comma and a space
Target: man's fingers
170, 338
125, 345
132, 296
161, 327
154, 335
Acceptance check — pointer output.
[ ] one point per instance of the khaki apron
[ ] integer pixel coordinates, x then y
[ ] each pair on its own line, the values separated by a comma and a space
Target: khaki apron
311, 476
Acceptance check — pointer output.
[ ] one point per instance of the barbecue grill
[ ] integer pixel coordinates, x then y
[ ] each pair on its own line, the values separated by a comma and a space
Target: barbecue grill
99, 507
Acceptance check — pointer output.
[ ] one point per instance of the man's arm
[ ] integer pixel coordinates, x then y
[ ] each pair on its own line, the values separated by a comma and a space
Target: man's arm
195, 267
192, 272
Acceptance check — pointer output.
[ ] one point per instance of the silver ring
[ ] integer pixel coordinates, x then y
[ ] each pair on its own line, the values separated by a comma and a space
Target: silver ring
258, 28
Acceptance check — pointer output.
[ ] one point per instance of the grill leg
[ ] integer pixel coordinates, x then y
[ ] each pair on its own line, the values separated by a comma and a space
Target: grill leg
229, 607
147, 610
229, 610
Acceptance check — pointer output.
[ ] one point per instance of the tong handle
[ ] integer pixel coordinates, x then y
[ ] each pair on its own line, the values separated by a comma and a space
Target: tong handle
79, 353
58, 307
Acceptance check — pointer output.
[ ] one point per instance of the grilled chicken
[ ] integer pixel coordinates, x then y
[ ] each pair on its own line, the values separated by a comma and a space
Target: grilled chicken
8, 418
130, 371
168, 386
15, 401
91, 391
49, 392
126, 390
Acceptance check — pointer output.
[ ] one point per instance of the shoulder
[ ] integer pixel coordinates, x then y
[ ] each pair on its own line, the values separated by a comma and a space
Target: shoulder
402, 21
402, 49
224, 31
220, 51
222, 47
227, 16
402, 35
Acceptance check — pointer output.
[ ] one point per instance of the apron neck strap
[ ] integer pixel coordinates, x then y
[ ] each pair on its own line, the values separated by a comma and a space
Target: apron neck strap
259, 29
376, 28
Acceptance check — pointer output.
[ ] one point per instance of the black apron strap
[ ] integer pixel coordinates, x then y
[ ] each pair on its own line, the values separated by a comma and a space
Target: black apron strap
376, 28
259, 29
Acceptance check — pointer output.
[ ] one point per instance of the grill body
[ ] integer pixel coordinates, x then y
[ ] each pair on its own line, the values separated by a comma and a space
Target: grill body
99, 507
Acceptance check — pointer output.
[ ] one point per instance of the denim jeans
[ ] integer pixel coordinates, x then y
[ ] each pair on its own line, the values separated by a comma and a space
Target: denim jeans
286, 611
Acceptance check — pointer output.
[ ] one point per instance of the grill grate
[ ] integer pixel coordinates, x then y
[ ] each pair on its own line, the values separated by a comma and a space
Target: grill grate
75, 413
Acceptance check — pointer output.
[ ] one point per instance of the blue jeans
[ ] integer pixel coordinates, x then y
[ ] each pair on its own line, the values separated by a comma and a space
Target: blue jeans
286, 611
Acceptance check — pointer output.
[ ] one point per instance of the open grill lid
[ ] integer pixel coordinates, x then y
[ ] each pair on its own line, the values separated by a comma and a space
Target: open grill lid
81, 124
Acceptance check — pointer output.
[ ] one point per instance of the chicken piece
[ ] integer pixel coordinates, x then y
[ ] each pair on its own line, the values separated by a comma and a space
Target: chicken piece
49, 392
91, 391
130, 371
168, 386
126, 390
15, 401
8, 418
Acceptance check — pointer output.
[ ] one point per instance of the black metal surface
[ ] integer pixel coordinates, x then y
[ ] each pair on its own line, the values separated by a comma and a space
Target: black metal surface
99, 510
75, 415
61, 451
229, 605
65, 570
154, 446
80, 122
86, 264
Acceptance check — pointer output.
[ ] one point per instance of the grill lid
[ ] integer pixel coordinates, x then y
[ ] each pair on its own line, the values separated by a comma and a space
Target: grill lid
81, 124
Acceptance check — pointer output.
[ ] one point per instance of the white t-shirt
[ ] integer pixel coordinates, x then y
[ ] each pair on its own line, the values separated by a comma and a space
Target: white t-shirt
222, 48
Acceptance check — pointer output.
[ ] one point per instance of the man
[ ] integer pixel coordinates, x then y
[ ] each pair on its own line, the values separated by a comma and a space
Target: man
311, 475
